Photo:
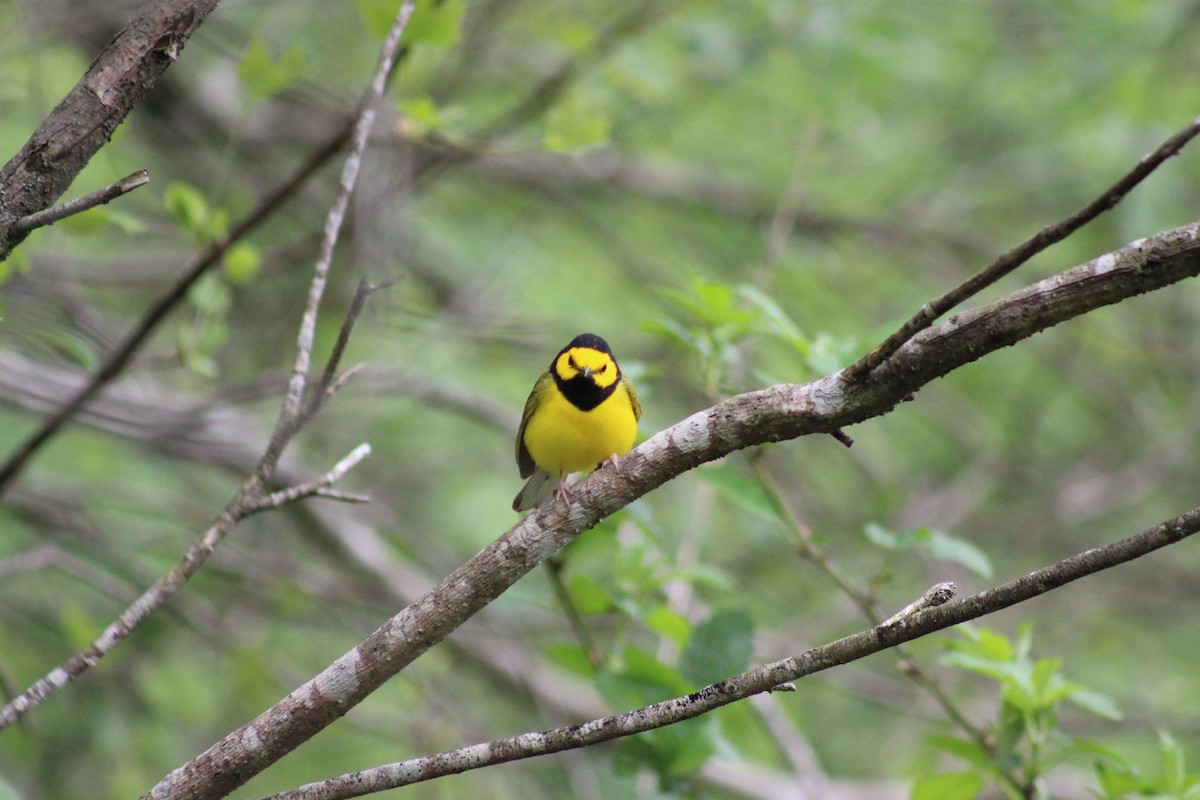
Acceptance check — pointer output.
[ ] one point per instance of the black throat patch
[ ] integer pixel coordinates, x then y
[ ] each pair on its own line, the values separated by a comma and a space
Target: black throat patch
583, 392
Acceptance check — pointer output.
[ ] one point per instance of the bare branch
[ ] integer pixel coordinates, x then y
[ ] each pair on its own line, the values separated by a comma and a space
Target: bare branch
929, 618
333, 222
330, 382
79, 205
1047, 236
319, 487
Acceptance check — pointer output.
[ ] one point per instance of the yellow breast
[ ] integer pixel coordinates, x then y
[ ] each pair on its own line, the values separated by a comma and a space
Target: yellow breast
561, 439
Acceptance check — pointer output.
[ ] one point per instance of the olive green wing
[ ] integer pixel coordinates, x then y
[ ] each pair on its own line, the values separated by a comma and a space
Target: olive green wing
637, 407
525, 461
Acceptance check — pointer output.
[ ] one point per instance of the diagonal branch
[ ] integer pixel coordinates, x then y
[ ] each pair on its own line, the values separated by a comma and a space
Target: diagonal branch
109, 193
1047, 236
929, 614
330, 381
770, 415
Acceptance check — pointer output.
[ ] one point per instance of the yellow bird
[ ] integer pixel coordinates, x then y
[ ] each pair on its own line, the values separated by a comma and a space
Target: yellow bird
582, 412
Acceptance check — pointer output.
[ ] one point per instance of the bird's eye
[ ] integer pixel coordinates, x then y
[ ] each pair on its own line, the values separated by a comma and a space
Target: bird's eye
604, 369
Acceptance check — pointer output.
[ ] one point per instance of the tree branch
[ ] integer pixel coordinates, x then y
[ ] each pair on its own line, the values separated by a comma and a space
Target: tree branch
927, 615
1047, 236
79, 205
292, 413
319, 487
769, 415
84, 121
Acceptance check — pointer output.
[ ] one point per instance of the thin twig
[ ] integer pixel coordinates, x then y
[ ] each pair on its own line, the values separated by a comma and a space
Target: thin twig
98, 198
755, 681
330, 382
333, 225
554, 569
317, 487
1047, 236
866, 601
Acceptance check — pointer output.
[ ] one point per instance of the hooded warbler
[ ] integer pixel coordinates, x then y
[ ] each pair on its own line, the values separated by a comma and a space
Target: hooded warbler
582, 412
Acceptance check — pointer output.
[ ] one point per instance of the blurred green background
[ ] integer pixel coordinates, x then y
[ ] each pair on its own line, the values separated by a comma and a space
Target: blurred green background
734, 195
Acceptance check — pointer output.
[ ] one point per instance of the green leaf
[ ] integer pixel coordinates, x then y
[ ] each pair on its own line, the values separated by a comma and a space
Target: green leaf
575, 124
420, 115
999, 671
186, 205
639, 681
265, 76
982, 643
951, 786
743, 490
965, 749
671, 330
718, 647
1118, 780
778, 322
637, 663
1174, 763
434, 22
216, 226
702, 575
589, 595
571, 657
242, 262
666, 623
210, 295
944, 547
687, 745
880, 536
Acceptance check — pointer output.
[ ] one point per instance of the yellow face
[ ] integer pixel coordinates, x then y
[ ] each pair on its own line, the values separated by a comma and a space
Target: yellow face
594, 365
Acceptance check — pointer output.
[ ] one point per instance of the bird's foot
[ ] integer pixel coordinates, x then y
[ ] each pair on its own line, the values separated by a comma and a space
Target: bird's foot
562, 492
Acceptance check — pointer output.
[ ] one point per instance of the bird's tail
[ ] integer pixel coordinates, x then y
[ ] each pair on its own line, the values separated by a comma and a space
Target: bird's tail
537, 490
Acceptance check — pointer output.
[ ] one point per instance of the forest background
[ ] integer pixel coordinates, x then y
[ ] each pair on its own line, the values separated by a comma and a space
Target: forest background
734, 197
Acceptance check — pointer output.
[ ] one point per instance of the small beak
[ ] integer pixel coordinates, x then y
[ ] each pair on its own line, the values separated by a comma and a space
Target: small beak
587, 372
